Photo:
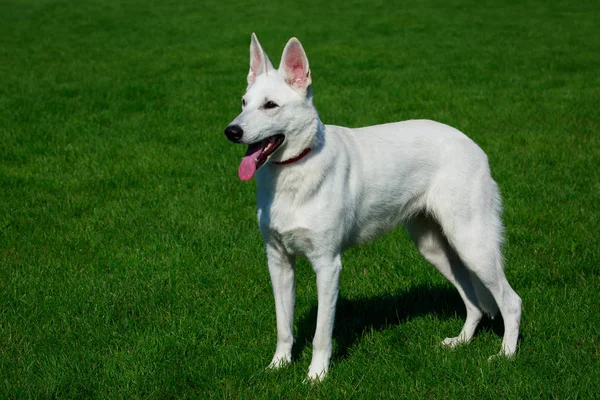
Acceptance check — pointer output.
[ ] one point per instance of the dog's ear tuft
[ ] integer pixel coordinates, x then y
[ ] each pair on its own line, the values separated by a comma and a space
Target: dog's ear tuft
259, 62
294, 66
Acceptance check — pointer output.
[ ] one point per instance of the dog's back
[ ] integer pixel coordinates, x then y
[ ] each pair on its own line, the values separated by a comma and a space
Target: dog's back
385, 174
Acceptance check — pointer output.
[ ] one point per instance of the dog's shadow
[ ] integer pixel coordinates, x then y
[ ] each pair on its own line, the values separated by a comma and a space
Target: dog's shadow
357, 316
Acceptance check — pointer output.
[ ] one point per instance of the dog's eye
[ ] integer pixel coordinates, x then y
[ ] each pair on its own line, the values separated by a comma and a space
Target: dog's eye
243, 102
269, 105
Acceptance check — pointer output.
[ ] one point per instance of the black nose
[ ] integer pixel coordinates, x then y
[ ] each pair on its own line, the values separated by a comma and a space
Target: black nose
234, 133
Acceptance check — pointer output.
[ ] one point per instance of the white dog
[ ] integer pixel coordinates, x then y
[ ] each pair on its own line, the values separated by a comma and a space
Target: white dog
324, 188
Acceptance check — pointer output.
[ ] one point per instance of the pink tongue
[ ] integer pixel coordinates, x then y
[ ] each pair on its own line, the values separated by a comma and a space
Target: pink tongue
248, 165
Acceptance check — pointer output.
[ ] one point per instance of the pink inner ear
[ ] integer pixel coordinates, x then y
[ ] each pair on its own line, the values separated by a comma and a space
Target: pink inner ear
294, 66
255, 62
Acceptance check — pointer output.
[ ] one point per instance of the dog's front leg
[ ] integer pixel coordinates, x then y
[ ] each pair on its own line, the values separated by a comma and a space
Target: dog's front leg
282, 271
327, 270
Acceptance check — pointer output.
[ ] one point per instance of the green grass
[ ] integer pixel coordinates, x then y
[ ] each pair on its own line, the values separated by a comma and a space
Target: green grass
130, 260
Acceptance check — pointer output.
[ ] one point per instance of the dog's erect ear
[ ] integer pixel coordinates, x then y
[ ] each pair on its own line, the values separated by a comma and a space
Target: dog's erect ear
294, 66
259, 62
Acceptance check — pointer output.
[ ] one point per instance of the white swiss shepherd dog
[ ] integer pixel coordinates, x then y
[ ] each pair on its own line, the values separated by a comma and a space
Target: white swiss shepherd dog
323, 188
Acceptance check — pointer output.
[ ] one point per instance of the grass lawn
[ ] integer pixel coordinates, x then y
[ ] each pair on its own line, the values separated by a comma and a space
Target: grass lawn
131, 265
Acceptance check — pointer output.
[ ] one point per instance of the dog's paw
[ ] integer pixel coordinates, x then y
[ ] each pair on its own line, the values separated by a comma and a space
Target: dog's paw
280, 360
315, 377
506, 354
454, 342
316, 372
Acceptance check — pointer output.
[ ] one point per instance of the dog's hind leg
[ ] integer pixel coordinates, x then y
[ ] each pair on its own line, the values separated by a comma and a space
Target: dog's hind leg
486, 264
434, 247
476, 237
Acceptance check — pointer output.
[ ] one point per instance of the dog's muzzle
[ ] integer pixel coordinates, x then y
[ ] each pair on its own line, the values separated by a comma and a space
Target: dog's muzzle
234, 133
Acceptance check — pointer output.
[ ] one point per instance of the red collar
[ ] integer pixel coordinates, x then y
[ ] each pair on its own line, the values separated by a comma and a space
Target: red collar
294, 159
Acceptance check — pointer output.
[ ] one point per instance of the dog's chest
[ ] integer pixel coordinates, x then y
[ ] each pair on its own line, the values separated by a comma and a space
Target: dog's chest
296, 241
287, 228
287, 223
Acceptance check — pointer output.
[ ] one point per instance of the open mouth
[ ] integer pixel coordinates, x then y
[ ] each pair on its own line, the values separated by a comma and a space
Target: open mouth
258, 154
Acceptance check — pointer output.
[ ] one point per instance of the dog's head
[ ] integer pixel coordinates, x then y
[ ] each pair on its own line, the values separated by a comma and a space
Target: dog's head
277, 110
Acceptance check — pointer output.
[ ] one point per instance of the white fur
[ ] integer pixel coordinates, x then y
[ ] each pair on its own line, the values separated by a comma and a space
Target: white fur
357, 184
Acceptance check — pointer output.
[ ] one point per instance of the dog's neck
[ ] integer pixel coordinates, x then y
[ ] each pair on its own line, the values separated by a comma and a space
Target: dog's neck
293, 160
306, 132
290, 177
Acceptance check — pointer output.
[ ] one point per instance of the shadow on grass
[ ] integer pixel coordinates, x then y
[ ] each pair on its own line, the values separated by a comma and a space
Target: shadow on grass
357, 316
